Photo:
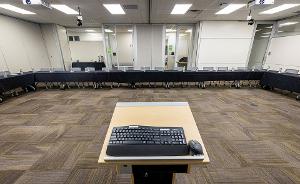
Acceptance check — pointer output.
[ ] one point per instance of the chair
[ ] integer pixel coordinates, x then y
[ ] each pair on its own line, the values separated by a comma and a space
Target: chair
192, 69
5, 73
241, 69
208, 68
291, 71
105, 69
45, 69
222, 69
161, 69
144, 68
75, 69
89, 69
58, 70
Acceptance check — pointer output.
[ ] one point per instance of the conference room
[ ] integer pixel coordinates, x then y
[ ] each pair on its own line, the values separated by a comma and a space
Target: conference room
149, 91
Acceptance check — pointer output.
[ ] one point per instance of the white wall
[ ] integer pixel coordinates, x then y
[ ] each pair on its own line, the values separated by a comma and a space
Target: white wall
64, 45
86, 51
224, 43
149, 46
125, 49
21, 45
51, 40
284, 53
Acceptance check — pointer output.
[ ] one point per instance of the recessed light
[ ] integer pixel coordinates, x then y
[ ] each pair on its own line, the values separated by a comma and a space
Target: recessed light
170, 30
287, 24
230, 8
266, 33
266, 36
258, 30
16, 9
108, 31
188, 31
270, 27
280, 31
180, 9
129, 30
279, 8
65, 9
115, 9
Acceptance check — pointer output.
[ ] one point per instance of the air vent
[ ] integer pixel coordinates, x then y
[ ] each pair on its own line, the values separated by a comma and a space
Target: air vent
194, 12
130, 7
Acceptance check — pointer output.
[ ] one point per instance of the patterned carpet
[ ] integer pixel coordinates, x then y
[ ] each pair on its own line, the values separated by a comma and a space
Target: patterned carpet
54, 136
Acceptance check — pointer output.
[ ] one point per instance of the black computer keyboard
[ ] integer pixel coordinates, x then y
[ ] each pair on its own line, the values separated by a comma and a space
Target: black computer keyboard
147, 141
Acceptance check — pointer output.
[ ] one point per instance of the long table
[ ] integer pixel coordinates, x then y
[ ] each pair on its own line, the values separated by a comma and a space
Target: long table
14, 81
290, 82
148, 76
283, 81
83, 65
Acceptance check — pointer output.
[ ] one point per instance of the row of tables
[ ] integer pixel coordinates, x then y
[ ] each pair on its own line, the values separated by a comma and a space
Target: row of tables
290, 82
147, 76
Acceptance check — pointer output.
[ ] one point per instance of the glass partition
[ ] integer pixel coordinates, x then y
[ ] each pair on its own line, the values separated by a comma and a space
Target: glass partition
111, 46
258, 54
171, 32
119, 46
288, 27
184, 46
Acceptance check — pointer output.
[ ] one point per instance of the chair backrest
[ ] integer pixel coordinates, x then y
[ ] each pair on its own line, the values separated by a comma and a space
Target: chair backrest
193, 69
4, 73
144, 68
128, 68
105, 69
89, 69
45, 69
208, 68
75, 69
159, 68
180, 69
293, 71
222, 68
241, 68
58, 70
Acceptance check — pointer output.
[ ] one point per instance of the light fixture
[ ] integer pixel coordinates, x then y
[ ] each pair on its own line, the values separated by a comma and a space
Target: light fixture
65, 9
230, 8
270, 27
287, 24
90, 30
170, 30
267, 33
279, 8
115, 9
180, 9
188, 31
16, 9
182, 34
280, 31
266, 36
108, 31
129, 30
258, 30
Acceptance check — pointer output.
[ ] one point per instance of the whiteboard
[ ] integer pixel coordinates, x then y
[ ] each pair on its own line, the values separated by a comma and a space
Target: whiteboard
224, 52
